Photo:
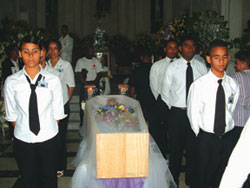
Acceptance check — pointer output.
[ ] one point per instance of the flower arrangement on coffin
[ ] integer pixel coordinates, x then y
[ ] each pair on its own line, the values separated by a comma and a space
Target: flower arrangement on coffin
117, 116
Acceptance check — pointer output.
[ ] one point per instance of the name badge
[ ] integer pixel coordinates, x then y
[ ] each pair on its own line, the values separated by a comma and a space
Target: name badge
43, 84
231, 99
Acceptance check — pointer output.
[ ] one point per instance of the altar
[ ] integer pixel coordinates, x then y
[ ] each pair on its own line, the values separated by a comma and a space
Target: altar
117, 151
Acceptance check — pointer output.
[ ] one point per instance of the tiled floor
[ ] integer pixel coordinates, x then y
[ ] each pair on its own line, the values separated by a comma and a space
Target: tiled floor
10, 177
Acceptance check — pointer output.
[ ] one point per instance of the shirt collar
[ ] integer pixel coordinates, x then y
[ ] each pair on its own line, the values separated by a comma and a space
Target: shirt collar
14, 62
40, 72
89, 59
58, 62
168, 59
248, 70
185, 61
215, 78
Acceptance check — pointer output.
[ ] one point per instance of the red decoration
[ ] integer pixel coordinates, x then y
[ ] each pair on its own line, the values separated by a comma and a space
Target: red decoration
94, 65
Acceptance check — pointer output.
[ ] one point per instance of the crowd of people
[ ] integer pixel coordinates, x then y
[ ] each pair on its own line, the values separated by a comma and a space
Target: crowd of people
193, 108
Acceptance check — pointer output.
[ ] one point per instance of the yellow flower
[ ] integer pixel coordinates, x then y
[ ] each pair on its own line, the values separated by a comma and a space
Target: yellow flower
121, 107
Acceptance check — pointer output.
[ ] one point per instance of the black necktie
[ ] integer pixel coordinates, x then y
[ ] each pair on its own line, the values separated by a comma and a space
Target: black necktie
219, 119
171, 60
189, 77
33, 110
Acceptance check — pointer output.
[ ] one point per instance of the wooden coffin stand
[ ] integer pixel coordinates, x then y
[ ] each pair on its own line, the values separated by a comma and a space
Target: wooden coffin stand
120, 155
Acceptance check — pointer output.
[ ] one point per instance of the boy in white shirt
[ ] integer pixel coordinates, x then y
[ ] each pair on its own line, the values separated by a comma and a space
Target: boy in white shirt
211, 102
92, 68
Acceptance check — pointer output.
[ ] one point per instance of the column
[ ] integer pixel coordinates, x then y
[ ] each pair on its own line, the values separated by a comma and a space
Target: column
167, 11
41, 10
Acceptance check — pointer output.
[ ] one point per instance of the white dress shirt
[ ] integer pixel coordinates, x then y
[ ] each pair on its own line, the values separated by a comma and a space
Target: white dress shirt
238, 166
93, 66
156, 75
174, 81
51, 70
50, 105
16, 66
66, 75
202, 101
67, 47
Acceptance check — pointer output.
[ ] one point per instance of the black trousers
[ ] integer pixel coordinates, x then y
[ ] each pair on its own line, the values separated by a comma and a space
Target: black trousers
180, 137
236, 134
158, 129
213, 154
37, 163
11, 129
62, 149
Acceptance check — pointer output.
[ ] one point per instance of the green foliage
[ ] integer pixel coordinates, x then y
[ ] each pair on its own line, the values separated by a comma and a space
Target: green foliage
202, 26
144, 41
117, 42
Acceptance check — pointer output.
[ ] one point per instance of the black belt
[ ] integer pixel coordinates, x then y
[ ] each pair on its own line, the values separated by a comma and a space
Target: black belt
215, 135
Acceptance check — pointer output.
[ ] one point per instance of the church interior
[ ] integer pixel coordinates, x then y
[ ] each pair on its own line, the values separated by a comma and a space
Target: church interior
117, 29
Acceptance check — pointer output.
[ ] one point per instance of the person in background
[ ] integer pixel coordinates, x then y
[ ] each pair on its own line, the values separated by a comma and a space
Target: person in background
176, 82
67, 44
242, 77
34, 105
43, 59
140, 89
158, 69
104, 83
211, 101
88, 70
10, 66
67, 78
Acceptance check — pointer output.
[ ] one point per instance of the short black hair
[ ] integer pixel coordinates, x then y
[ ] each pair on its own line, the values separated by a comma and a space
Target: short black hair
58, 43
30, 39
146, 53
44, 44
215, 43
185, 38
243, 56
170, 40
65, 26
10, 48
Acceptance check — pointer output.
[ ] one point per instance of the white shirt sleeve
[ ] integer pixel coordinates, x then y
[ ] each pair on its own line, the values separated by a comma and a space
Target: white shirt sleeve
9, 102
69, 75
166, 85
79, 66
238, 166
193, 108
153, 81
57, 102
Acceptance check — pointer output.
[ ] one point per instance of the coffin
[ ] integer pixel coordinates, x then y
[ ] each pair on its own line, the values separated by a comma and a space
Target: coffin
122, 151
